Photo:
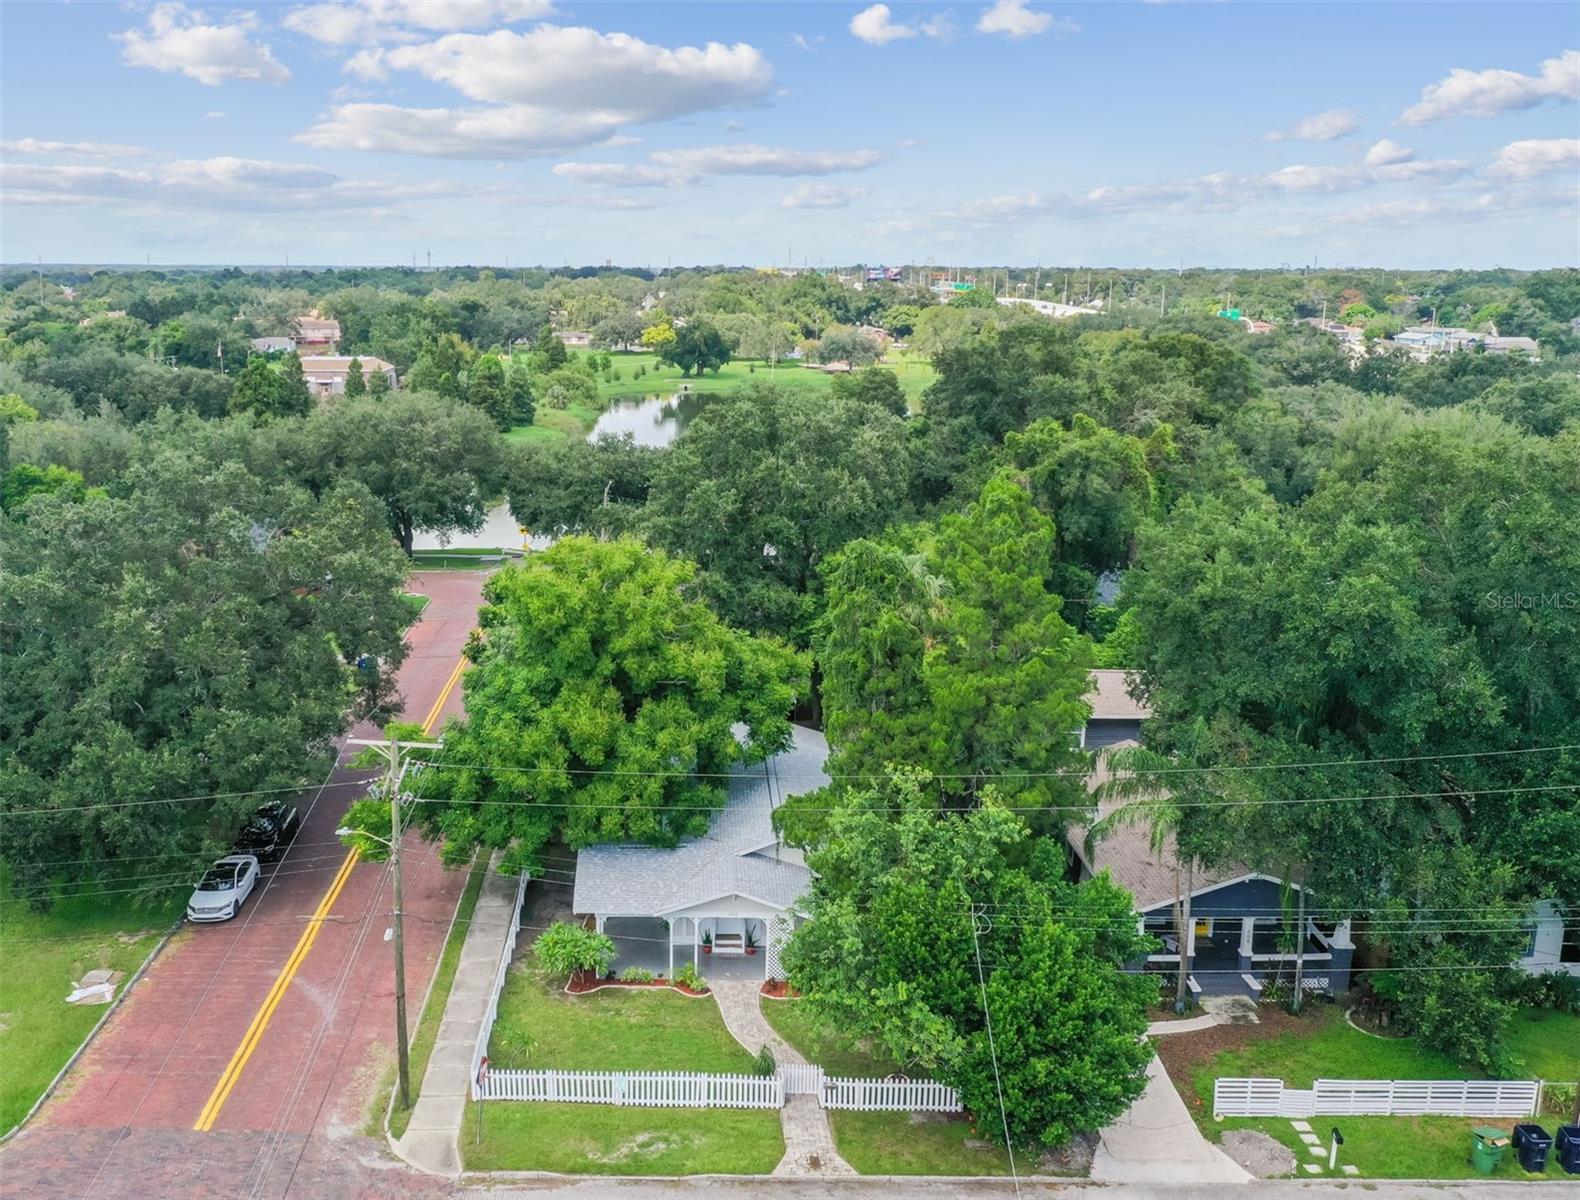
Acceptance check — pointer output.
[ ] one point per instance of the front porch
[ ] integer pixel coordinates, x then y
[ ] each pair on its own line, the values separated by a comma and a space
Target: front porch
721, 947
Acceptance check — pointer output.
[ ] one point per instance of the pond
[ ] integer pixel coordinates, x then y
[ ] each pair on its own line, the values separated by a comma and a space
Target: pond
650, 420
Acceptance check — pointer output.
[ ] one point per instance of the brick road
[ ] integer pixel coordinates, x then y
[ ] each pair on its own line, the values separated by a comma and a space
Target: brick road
121, 1126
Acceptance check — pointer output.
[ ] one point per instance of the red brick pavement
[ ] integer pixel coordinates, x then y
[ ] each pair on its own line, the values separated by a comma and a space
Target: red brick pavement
122, 1125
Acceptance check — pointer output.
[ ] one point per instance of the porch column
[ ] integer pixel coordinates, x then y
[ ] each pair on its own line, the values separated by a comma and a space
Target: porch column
1247, 943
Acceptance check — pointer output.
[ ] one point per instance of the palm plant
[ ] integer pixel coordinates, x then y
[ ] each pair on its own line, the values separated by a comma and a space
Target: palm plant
1134, 789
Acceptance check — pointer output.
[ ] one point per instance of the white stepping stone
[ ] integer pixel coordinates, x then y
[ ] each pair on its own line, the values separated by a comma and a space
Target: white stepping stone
1351, 1169
1318, 1151
1311, 1139
1312, 1168
1302, 1126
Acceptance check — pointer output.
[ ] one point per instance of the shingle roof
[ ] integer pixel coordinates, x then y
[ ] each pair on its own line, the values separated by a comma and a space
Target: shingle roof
738, 856
1110, 698
1126, 853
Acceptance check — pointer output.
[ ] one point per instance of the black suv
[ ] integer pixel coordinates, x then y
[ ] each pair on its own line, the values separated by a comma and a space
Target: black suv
270, 830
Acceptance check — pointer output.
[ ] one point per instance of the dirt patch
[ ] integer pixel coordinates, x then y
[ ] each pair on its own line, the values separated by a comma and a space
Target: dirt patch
642, 1146
1180, 1053
1233, 1010
129, 939
1072, 1158
778, 989
1259, 1153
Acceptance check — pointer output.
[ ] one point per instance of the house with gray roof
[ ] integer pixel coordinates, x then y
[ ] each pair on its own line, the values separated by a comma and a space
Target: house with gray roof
726, 901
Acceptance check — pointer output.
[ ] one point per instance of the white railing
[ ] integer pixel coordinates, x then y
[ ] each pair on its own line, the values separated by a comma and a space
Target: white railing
897, 1095
1376, 1097
648, 1089
486, 1030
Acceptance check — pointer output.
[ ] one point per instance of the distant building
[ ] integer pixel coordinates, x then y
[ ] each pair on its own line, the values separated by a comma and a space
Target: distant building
326, 373
1257, 326
273, 345
1506, 345
315, 334
1047, 308
574, 339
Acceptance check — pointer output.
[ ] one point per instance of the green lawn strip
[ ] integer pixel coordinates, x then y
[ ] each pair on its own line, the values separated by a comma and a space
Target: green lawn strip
901, 1143
615, 1029
439, 994
43, 954
792, 1020
1391, 1147
534, 433
1325, 1046
601, 1139
415, 602
456, 558
1548, 1042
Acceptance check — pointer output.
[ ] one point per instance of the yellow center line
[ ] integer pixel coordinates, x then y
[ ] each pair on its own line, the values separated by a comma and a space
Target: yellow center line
260, 1020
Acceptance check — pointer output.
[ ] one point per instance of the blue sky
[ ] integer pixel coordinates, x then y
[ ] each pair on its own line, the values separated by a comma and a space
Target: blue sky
364, 131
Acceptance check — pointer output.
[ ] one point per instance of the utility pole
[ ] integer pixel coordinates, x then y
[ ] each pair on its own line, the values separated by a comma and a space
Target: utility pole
392, 752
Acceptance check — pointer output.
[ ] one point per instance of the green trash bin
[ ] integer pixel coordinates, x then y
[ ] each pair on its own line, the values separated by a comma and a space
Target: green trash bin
1487, 1145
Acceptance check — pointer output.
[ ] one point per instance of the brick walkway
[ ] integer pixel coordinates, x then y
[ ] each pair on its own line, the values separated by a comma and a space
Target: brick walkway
809, 1142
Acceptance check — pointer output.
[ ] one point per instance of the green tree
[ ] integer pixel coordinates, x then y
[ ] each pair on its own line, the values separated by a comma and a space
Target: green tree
766, 484
259, 391
698, 347
488, 388
619, 331
596, 487
922, 927
378, 383
441, 367
874, 385
24, 481
192, 636
295, 396
356, 385
553, 350
432, 463
602, 705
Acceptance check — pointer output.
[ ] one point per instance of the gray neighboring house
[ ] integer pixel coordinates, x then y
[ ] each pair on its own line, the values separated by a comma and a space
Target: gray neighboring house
726, 901
273, 345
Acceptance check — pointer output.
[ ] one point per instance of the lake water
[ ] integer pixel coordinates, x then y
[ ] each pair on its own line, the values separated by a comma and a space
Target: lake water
650, 420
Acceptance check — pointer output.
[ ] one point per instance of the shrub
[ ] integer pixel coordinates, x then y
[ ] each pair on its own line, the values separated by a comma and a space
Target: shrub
765, 1065
637, 975
688, 977
563, 949
1551, 990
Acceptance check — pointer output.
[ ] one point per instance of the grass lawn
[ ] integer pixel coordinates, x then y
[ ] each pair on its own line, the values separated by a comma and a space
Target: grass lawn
439, 995
1395, 1147
43, 955
599, 1139
615, 1029
458, 558
898, 1143
1324, 1046
1549, 1042
415, 603
792, 1021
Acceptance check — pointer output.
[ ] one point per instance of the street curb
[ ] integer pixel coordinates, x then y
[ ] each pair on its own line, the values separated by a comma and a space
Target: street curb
120, 998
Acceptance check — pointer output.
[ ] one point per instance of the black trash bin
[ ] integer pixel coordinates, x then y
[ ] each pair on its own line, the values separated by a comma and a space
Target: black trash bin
1568, 1140
1531, 1143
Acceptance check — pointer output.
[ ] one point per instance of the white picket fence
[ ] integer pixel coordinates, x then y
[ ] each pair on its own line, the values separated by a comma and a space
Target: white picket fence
647, 1089
890, 1095
486, 1030
1376, 1097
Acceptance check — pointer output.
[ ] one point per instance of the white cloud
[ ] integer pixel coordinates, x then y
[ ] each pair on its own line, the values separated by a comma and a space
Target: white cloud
940, 25
215, 114
1492, 92
1322, 127
180, 39
1387, 152
30, 145
1013, 19
802, 42
874, 26
678, 168
341, 24
552, 88
1536, 156
505, 132
822, 195
220, 184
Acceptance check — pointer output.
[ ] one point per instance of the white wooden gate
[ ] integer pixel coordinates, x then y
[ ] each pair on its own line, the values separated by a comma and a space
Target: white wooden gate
1375, 1097
802, 1079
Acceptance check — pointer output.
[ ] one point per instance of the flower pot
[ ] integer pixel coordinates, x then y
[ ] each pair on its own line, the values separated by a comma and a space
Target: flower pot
751, 950
707, 949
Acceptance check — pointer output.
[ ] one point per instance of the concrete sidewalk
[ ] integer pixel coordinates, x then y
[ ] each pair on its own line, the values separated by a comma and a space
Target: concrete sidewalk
430, 1140
1157, 1142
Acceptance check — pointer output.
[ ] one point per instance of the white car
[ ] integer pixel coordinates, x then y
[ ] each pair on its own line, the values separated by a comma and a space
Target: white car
219, 896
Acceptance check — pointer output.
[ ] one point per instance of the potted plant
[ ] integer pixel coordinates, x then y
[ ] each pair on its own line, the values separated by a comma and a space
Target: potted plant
751, 938
707, 941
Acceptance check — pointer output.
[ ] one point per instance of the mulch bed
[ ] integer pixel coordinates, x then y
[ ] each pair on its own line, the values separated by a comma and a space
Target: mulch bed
1181, 1052
583, 982
778, 989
